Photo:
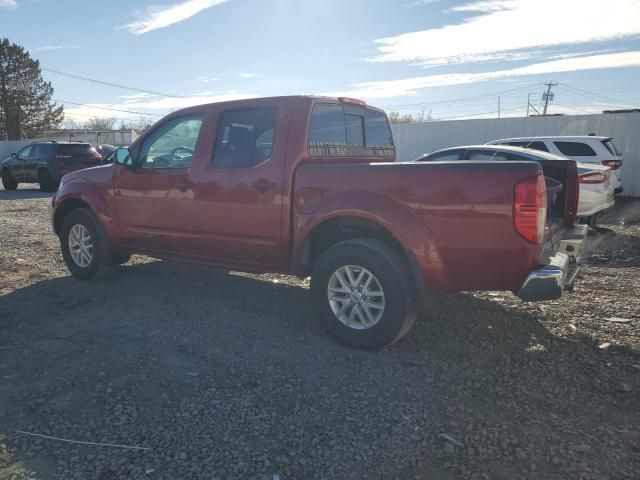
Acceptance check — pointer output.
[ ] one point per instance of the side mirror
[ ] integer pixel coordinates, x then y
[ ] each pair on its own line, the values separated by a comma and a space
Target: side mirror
123, 157
14, 155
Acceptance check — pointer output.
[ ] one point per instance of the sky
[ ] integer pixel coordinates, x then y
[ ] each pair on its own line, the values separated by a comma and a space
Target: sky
450, 59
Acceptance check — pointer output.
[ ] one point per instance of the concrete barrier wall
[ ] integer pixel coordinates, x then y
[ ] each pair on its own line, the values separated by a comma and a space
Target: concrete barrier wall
414, 139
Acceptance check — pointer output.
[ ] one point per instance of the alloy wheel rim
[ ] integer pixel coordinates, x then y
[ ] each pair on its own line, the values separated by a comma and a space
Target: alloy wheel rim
80, 245
356, 297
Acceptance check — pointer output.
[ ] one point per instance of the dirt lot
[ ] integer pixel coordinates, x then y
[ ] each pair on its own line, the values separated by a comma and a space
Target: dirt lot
227, 376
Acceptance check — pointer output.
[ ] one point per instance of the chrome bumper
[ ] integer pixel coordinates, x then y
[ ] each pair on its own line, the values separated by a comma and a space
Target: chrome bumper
559, 271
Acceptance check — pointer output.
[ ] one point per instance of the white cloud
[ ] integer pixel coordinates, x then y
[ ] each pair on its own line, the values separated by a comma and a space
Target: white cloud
411, 86
156, 17
205, 79
49, 48
498, 27
249, 75
8, 4
142, 102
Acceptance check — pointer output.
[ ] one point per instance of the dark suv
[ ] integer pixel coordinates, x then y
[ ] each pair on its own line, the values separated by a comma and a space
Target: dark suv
46, 162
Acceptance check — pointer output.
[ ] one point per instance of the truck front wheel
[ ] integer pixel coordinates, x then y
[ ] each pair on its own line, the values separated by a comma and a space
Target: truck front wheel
84, 245
361, 293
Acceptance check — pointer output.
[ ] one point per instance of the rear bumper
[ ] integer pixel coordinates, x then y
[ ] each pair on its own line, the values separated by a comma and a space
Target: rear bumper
558, 271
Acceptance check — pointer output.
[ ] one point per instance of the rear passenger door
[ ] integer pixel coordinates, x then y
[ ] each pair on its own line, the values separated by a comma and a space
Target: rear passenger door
239, 196
30, 164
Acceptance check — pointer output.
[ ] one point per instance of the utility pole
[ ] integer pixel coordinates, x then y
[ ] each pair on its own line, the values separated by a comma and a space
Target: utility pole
529, 106
548, 96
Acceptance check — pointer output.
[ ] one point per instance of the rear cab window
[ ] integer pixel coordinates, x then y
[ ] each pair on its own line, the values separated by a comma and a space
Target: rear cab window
575, 149
349, 131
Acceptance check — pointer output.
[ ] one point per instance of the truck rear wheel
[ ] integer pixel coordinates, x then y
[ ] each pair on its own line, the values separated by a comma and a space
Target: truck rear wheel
84, 245
361, 293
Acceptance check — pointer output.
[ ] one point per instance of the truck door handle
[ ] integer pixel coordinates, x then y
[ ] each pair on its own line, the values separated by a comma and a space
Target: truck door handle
263, 185
183, 185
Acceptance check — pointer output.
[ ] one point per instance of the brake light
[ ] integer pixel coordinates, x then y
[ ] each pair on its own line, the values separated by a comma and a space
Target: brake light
612, 164
592, 178
60, 156
530, 208
352, 101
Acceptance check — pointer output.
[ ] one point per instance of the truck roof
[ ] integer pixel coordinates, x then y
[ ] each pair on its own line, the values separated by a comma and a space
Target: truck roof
310, 98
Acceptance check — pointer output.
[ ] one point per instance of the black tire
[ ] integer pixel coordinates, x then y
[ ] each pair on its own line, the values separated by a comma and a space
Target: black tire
120, 258
391, 271
47, 184
100, 265
7, 182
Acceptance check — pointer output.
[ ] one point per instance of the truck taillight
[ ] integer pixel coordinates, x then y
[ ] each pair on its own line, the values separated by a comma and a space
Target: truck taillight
530, 208
592, 178
612, 164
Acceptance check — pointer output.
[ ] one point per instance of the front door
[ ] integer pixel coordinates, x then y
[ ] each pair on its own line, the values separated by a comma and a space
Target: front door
155, 196
17, 165
240, 187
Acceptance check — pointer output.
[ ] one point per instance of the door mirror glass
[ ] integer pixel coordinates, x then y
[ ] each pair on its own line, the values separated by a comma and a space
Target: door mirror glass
14, 155
123, 156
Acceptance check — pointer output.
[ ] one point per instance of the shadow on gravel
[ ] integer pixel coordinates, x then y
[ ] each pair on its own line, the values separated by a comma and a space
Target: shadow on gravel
24, 194
226, 374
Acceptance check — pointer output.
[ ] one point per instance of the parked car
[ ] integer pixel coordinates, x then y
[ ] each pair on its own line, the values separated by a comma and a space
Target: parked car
587, 149
596, 191
46, 162
105, 150
308, 186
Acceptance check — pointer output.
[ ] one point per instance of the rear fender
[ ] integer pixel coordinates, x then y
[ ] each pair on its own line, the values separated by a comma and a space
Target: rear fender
312, 207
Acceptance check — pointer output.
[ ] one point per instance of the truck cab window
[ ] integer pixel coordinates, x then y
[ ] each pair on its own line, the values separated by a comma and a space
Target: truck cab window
245, 137
337, 130
172, 145
327, 132
355, 130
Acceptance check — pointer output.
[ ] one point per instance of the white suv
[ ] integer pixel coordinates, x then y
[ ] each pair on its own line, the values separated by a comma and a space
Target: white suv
583, 149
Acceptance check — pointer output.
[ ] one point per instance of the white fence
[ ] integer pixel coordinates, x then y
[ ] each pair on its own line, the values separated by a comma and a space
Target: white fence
414, 139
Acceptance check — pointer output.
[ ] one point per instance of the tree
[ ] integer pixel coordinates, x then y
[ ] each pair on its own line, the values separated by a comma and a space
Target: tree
422, 116
140, 125
395, 117
98, 123
26, 105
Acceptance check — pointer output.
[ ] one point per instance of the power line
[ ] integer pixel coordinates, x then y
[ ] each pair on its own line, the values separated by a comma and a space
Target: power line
478, 114
587, 92
107, 108
463, 99
110, 84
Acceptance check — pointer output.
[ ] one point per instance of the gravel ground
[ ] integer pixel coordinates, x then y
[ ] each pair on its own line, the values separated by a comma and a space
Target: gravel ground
227, 376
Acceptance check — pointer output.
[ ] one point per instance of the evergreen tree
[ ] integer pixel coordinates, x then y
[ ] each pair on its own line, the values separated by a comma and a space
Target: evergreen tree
26, 106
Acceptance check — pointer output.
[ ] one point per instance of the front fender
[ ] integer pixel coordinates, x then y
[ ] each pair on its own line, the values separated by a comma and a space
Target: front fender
80, 190
313, 207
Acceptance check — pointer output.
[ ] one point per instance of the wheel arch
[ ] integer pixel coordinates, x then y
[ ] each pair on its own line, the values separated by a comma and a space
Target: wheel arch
63, 209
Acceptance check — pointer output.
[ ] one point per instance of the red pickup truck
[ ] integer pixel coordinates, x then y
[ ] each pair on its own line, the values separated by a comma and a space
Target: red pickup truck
309, 186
